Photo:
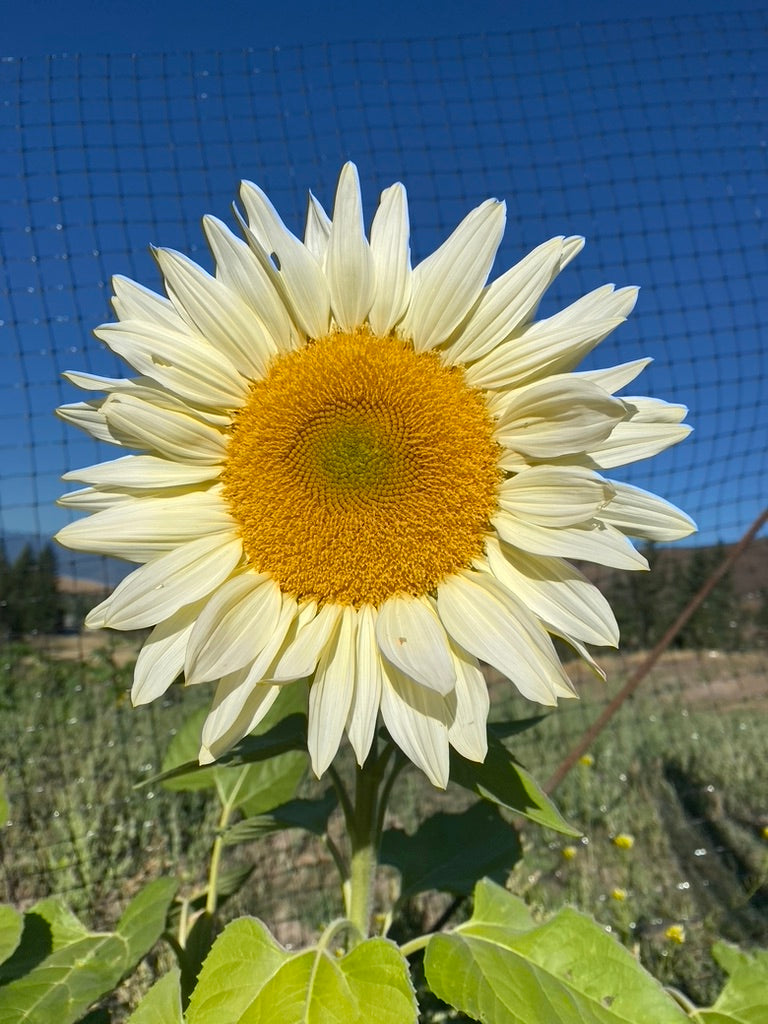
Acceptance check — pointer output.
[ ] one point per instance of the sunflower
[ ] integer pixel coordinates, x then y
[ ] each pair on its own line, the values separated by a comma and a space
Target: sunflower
364, 474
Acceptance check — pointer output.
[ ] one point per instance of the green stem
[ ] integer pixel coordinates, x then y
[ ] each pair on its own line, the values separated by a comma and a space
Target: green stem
364, 844
409, 948
229, 803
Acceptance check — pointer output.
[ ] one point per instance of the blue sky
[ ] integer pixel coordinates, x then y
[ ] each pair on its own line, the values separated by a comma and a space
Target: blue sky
646, 134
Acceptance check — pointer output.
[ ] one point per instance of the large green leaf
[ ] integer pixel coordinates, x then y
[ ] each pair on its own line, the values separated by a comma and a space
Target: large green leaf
60, 968
242, 960
370, 985
744, 1000
162, 1004
311, 815
11, 927
566, 971
288, 734
503, 781
450, 851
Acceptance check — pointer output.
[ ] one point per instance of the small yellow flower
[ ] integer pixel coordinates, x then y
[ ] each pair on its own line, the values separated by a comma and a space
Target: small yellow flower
618, 894
675, 933
764, 832
587, 760
569, 852
624, 841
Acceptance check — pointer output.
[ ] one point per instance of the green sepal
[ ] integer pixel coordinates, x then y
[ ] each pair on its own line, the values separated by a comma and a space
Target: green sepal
502, 780
449, 851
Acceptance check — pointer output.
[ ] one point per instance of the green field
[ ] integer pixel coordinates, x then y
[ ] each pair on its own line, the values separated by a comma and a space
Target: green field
682, 770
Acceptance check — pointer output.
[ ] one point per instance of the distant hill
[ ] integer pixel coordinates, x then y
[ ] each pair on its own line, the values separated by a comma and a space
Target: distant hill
102, 573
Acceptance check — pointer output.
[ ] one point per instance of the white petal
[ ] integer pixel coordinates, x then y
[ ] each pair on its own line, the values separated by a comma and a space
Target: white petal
410, 635
330, 694
361, 721
182, 362
348, 263
235, 626
161, 659
556, 592
614, 378
235, 712
158, 589
93, 499
506, 303
391, 252
142, 528
165, 427
317, 229
238, 267
132, 301
301, 657
447, 283
217, 312
632, 441
588, 542
93, 382
484, 619
554, 345
143, 473
300, 275
555, 495
468, 731
417, 719
558, 416
639, 513
89, 416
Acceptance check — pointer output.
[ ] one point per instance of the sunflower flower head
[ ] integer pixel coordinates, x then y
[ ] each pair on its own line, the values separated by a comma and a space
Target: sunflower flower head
363, 473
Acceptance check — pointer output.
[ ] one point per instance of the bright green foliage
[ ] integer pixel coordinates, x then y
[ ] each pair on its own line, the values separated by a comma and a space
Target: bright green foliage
744, 1000
503, 781
449, 851
59, 968
162, 1004
566, 971
311, 815
5, 809
11, 926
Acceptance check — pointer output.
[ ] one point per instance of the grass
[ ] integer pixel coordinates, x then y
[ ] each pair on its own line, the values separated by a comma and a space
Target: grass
681, 769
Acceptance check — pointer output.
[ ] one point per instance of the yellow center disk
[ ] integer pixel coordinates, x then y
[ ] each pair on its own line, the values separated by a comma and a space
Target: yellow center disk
359, 469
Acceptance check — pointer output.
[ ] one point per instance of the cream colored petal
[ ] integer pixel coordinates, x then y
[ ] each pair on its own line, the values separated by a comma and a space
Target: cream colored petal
93, 382
468, 732
163, 427
654, 410
417, 719
588, 542
317, 228
89, 416
361, 720
639, 513
234, 628
143, 473
506, 304
93, 499
410, 635
132, 301
555, 495
236, 711
572, 246
161, 658
632, 441
614, 378
330, 694
584, 654
554, 591
390, 247
182, 362
158, 589
348, 261
486, 620
299, 273
446, 285
139, 529
217, 312
558, 416
238, 267
554, 345
301, 657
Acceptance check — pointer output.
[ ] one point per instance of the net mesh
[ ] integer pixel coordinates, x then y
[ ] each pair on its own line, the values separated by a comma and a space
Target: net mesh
648, 137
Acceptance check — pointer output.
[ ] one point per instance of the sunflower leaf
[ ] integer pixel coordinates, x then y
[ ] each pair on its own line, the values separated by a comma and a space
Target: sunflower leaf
744, 1000
311, 815
498, 966
503, 781
162, 1004
450, 851
11, 927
